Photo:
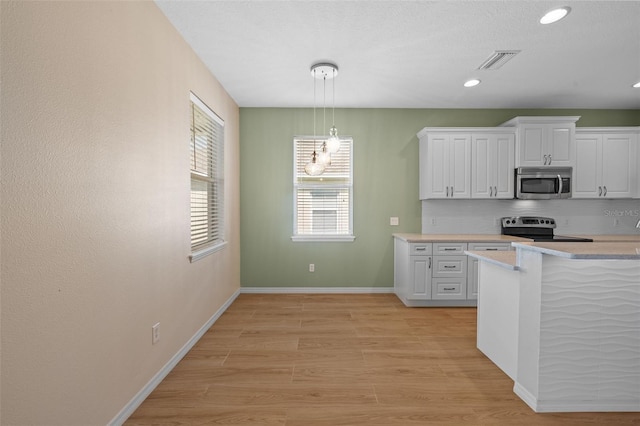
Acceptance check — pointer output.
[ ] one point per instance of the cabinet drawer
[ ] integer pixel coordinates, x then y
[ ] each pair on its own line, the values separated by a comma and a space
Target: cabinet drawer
450, 266
449, 288
449, 248
490, 246
419, 249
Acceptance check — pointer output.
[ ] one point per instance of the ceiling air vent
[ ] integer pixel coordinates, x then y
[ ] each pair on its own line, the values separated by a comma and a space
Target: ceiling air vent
498, 59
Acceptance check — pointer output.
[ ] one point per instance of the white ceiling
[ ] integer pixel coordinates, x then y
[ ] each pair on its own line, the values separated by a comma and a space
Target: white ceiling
417, 54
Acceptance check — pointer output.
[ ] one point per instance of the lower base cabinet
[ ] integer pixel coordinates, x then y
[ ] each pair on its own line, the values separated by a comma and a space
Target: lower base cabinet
438, 274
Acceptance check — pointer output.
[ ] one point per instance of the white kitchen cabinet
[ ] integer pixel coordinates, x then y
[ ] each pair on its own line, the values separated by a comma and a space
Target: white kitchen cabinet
492, 165
472, 264
544, 141
606, 163
445, 165
412, 271
449, 272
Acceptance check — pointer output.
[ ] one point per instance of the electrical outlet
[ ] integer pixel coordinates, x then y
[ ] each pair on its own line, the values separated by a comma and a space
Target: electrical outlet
155, 333
394, 221
312, 267
616, 221
433, 220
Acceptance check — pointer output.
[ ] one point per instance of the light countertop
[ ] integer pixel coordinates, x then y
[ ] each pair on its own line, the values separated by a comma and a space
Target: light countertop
505, 259
595, 250
611, 238
471, 238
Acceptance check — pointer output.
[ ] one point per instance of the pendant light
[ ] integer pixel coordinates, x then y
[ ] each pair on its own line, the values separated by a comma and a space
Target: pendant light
333, 143
314, 167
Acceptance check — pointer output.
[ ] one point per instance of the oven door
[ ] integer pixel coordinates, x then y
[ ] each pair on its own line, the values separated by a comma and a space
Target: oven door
543, 184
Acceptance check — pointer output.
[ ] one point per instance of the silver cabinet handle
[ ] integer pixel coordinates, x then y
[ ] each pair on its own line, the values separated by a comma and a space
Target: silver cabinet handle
429, 263
449, 249
605, 191
550, 159
599, 191
495, 191
491, 191
545, 159
491, 249
421, 248
447, 191
449, 288
452, 191
449, 267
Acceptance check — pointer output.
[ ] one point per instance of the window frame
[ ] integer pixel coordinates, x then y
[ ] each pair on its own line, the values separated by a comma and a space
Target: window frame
215, 182
316, 182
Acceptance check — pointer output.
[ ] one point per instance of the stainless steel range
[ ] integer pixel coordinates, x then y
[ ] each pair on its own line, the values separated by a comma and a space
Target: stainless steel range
536, 228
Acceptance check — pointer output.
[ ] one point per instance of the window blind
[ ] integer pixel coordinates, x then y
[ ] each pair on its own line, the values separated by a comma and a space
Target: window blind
207, 176
323, 204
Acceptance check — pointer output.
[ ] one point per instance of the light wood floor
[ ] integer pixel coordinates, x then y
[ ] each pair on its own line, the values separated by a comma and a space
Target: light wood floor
343, 360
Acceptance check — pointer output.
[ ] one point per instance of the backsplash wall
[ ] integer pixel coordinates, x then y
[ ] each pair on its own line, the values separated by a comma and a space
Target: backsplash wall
572, 216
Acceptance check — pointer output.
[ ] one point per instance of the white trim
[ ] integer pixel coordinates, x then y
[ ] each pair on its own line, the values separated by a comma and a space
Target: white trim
139, 398
323, 238
203, 252
321, 290
205, 108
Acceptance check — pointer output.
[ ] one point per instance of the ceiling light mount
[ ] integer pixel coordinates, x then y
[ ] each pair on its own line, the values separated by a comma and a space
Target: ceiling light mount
324, 70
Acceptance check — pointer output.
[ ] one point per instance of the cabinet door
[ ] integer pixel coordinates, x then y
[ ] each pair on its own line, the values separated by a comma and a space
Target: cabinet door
434, 170
546, 144
460, 166
420, 278
587, 172
481, 173
618, 166
445, 165
532, 150
560, 144
504, 166
492, 168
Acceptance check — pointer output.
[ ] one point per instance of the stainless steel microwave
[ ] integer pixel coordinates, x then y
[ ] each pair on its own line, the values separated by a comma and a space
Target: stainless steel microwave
543, 183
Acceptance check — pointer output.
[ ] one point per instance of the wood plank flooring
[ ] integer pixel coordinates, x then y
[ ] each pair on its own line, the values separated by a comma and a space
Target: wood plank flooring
293, 360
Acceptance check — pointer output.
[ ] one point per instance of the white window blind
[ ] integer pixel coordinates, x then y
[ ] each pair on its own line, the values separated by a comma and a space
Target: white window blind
207, 177
323, 205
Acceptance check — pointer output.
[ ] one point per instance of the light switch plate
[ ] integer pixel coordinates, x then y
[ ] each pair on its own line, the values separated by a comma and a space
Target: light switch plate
394, 221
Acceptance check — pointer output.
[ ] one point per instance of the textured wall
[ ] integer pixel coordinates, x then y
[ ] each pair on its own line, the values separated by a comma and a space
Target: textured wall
95, 216
385, 184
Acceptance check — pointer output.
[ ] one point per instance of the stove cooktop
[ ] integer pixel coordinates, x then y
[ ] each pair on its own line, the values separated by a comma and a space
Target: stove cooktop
536, 228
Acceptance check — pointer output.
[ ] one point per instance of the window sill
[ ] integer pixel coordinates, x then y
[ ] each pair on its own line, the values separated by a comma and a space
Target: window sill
206, 251
323, 238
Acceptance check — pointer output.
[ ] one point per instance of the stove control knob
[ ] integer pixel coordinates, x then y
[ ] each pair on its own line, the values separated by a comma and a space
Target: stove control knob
553, 221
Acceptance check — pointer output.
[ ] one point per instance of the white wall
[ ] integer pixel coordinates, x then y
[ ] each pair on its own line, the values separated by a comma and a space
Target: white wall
573, 217
95, 216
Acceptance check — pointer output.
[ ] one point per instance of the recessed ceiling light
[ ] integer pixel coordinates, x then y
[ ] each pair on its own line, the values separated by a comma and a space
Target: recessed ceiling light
555, 15
637, 85
471, 83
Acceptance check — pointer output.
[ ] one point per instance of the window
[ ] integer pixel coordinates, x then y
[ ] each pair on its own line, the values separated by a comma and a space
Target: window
207, 180
323, 205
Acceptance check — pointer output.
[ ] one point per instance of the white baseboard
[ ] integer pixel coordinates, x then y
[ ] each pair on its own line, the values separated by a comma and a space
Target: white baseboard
139, 398
310, 290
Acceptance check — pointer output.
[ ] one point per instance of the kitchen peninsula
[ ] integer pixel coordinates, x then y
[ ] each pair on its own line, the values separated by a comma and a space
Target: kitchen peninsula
563, 321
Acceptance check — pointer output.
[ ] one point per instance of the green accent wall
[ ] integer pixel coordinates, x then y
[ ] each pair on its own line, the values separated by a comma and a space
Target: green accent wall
385, 184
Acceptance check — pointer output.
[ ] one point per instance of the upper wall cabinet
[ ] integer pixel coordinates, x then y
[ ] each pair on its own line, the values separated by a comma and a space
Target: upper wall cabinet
544, 141
606, 163
445, 164
492, 164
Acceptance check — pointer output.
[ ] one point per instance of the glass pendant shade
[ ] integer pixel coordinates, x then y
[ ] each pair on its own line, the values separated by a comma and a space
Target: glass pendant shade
324, 157
333, 143
314, 167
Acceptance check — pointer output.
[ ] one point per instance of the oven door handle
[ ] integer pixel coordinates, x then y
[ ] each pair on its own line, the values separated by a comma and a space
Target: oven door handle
560, 185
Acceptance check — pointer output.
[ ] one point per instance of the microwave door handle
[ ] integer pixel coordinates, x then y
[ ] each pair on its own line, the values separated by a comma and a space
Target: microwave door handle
560, 186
